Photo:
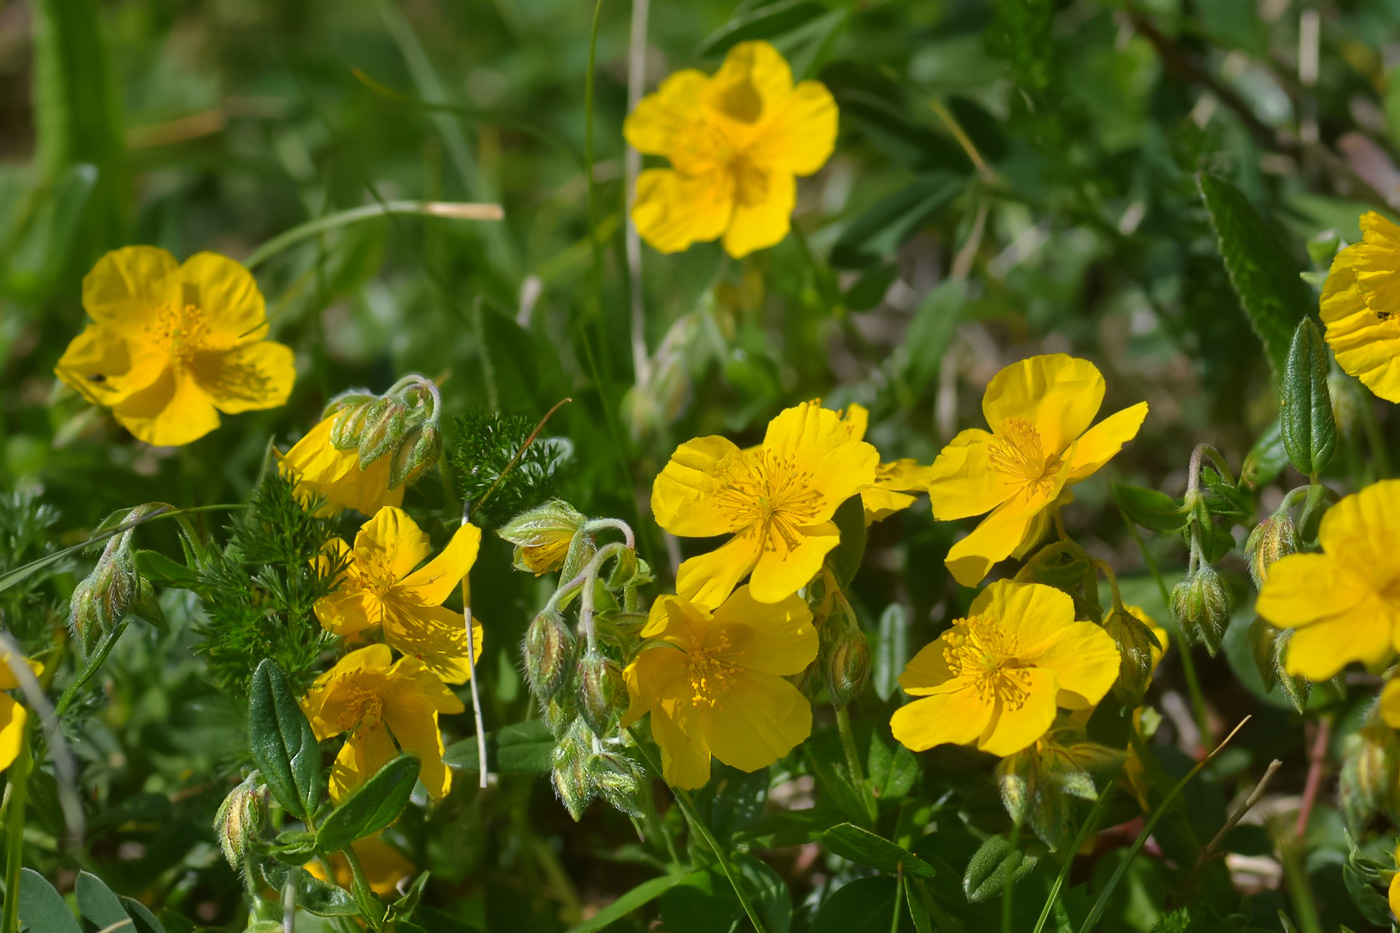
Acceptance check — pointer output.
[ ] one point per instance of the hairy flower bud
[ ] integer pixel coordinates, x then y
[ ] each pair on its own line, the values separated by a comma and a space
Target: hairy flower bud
847, 666
241, 817
1269, 646
417, 453
1136, 642
385, 423
601, 691
1271, 539
618, 781
104, 597
573, 780
543, 536
1201, 606
559, 712
349, 410
549, 654
1369, 771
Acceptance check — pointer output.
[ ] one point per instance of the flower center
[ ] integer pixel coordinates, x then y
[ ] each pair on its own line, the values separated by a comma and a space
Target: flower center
1018, 454
712, 674
180, 331
976, 648
773, 495
364, 709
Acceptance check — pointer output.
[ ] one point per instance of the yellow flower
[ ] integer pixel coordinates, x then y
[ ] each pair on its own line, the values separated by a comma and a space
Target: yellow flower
1395, 887
714, 683
894, 481
736, 142
1361, 307
321, 470
1039, 411
377, 702
1344, 602
384, 866
777, 499
173, 345
996, 677
380, 588
13, 716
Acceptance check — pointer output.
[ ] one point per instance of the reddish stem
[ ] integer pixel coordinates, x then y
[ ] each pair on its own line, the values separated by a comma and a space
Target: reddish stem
1317, 756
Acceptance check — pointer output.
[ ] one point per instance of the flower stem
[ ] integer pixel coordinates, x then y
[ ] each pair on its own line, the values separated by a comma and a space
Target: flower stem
289, 899
14, 830
485, 771
1087, 827
589, 81
848, 745
94, 664
364, 894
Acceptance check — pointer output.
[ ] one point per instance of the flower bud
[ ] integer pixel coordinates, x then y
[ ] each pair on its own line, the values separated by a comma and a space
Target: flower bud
1136, 644
1269, 645
543, 536
549, 653
1367, 782
1271, 539
241, 817
847, 666
573, 781
416, 454
384, 429
104, 597
349, 410
601, 691
559, 712
618, 782
1201, 606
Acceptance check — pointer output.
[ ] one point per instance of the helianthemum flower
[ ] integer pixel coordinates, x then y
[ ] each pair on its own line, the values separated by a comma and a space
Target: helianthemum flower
896, 482
379, 587
736, 142
1345, 602
173, 345
320, 469
777, 500
1039, 411
1361, 307
13, 716
377, 703
997, 677
713, 683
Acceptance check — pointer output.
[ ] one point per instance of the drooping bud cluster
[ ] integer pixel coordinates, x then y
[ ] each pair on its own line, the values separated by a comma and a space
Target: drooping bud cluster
114, 587
241, 817
1201, 607
1039, 783
1136, 646
1370, 765
1273, 538
402, 424
544, 537
1270, 648
549, 654
843, 661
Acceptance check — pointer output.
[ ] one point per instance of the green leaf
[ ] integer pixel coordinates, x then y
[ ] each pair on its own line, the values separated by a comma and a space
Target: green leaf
142, 919
370, 807
994, 864
891, 653
845, 558
1152, 509
1305, 410
869, 290
313, 894
877, 232
866, 848
766, 22
158, 568
41, 908
865, 905
98, 906
931, 332
518, 748
293, 847
642, 894
768, 892
1368, 900
1262, 271
282, 743
1266, 459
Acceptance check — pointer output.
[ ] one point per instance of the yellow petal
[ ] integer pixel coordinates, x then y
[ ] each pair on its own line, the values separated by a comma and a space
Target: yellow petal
663, 121
1305, 588
1057, 394
880, 503
955, 718
789, 563
763, 203
415, 725
320, 469
1394, 894
368, 749
685, 753
856, 417
672, 210
761, 721
437, 637
970, 559
927, 673
657, 676
105, 368
1363, 532
770, 638
685, 498
816, 444
172, 411
349, 612
799, 135
437, 579
391, 540
1084, 659
1366, 345
1318, 651
128, 286
251, 377
708, 579
752, 85
1102, 442
1020, 724
676, 619
12, 722
228, 295
962, 482
409, 681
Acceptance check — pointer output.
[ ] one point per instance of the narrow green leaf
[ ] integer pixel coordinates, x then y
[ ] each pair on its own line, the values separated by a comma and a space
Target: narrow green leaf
1305, 410
41, 908
866, 848
891, 650
1151, 509
874, 234
282, 743
370, 807
766, 22
158, 568
519, 748
931, 332
1262, 271
845, 558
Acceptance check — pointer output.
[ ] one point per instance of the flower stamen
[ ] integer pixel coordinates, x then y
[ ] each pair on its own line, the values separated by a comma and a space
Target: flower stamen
1018, 453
